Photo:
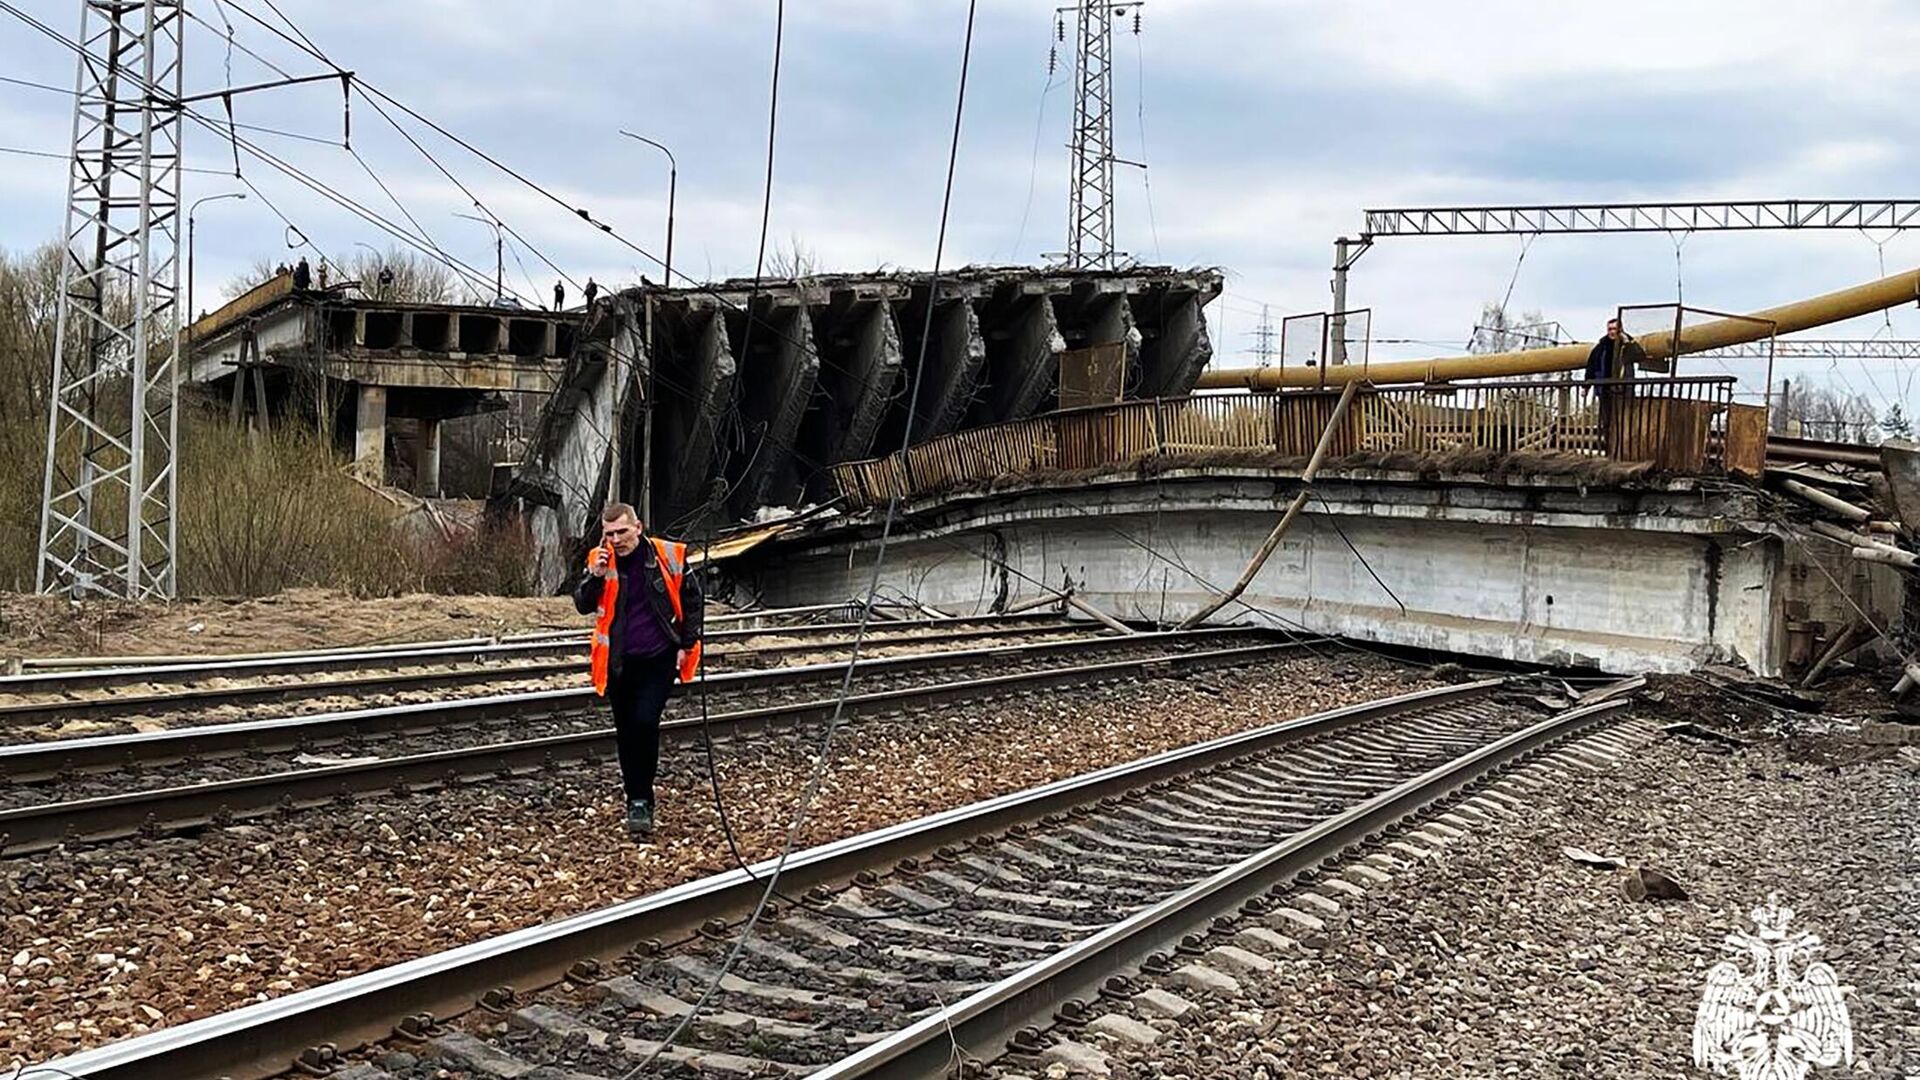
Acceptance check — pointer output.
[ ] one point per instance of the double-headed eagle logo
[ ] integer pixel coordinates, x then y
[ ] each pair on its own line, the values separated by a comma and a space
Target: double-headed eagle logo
1779, 1020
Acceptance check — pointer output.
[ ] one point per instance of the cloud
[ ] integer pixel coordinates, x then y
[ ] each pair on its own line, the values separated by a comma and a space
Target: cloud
1268, 126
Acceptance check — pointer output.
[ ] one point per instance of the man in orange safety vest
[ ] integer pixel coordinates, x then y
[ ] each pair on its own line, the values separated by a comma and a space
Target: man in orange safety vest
646, 634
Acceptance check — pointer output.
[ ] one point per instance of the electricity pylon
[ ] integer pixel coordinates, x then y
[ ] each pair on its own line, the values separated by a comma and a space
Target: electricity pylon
107, 525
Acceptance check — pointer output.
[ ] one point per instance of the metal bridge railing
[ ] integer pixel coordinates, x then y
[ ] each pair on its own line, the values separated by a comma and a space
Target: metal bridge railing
1676, 425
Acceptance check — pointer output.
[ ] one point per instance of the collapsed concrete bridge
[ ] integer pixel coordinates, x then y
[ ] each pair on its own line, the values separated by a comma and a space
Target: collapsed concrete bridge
703, 405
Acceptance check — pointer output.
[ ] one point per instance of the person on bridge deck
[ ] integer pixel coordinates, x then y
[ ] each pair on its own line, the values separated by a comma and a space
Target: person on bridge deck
302, 275
649, 618
559, 295
1600, 362
592, 290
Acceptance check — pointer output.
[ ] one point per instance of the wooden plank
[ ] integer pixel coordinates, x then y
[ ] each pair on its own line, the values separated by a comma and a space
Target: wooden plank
1746, 444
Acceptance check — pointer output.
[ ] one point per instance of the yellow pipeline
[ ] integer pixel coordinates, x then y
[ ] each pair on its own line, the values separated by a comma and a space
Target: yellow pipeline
1785, 319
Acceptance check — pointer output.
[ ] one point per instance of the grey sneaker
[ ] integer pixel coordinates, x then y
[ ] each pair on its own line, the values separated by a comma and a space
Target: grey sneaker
640, 819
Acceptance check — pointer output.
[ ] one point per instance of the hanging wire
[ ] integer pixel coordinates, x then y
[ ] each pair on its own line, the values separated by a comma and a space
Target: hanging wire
1033, 169
1140, 116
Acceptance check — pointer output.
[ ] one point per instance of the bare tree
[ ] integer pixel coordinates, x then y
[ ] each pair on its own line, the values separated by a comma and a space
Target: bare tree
412, 277
1498, 331
1821, 412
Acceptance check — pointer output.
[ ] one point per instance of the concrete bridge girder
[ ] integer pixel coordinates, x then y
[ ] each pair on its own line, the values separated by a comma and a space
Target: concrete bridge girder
861, 363
694, 407
956, 358
772, 407
1023, 360
1174, 357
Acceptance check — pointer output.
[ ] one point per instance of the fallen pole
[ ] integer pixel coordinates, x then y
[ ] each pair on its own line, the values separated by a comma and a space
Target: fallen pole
1830, 503
1906, 560
1843, 643
1286, 520
1029, 605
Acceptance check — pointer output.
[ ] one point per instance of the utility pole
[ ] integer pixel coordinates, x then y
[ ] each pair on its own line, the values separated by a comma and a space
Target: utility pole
107, 522
1345, 253
1090, 231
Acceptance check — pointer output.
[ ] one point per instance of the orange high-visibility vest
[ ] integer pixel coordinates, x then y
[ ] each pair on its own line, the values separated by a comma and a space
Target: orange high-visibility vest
671, 557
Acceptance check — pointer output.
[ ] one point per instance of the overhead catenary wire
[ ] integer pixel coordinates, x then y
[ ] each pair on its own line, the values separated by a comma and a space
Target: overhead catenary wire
376, 96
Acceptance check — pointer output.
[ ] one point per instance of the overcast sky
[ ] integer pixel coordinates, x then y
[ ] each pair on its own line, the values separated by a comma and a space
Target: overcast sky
1267, 126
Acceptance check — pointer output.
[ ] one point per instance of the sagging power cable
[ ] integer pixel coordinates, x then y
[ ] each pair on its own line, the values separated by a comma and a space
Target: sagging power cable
824, 754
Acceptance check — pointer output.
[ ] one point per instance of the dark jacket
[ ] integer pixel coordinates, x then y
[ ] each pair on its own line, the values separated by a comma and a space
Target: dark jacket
1600, 360
640, 567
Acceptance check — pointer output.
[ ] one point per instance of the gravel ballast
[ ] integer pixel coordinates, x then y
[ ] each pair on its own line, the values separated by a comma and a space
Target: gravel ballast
1502, 956
119, 939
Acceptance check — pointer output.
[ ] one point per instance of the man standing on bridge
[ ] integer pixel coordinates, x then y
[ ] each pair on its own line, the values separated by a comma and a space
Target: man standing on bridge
649, 617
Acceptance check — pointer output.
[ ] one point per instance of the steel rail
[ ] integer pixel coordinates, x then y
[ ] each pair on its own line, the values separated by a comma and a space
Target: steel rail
137, 660
29, 760
980, 1025
262, 1040
25, 830
24, 713
573, 645
126, 660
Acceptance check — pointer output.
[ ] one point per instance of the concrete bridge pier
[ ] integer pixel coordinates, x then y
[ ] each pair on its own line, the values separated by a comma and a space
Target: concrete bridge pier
370, 434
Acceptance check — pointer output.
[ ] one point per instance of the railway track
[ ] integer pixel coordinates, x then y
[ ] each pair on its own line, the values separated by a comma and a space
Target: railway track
816, 617
50, 698
908, 948
108, 787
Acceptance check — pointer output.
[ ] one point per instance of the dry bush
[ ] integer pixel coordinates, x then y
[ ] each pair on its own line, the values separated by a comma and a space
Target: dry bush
259, 514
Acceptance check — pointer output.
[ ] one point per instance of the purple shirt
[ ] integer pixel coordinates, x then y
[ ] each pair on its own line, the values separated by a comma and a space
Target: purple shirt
643, 636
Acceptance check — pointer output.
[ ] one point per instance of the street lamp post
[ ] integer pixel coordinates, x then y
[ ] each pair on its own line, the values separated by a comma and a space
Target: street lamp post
666, 277
673, 182
191, 316
498, 255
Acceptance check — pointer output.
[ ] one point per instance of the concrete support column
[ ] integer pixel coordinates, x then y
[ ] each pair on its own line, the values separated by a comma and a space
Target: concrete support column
427, 465
370, 435
550, 341
406, 332
360, 329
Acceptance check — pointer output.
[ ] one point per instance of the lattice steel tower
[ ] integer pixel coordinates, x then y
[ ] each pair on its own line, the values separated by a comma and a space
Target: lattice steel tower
1090, 197
107, 525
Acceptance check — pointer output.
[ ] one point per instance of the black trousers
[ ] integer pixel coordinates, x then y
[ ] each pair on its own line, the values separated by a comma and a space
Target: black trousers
638, 695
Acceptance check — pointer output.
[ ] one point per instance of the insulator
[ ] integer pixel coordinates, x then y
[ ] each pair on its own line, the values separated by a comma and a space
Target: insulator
1053, 59
1136, 20
1060, 28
